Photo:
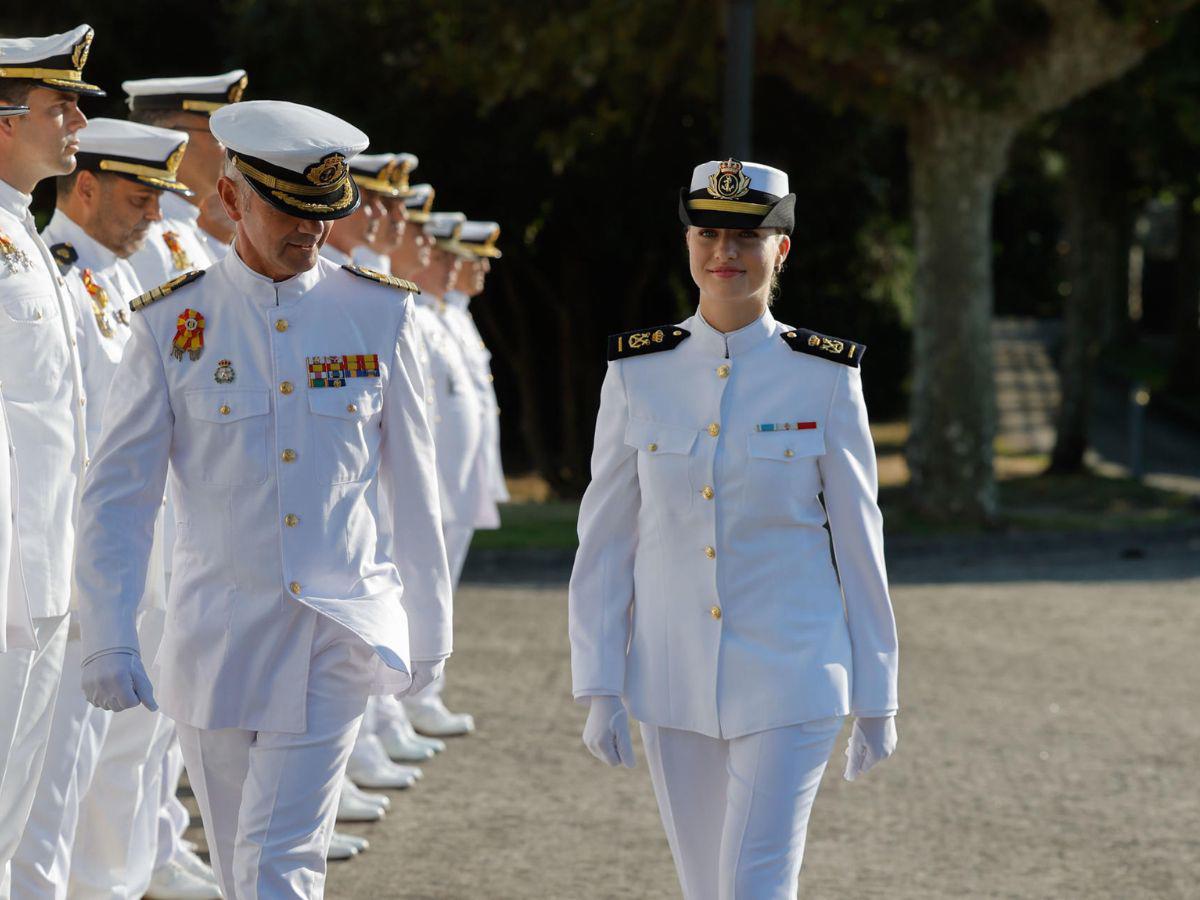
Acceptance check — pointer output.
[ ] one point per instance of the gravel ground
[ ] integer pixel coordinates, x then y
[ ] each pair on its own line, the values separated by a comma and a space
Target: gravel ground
1047, 750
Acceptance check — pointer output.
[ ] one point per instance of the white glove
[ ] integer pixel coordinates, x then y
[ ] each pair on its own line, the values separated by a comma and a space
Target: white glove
424, 673
606, 733
116, 680
872, 740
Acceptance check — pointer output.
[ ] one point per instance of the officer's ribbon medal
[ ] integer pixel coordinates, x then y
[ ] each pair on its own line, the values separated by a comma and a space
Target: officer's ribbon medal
14, 258
189, 335
99, 302
786, 426
332, 371
179, 257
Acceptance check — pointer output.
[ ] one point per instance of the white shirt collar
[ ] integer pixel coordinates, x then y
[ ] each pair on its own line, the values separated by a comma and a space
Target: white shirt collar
457, 299
91, 252
734, 343
14, 201
260, 288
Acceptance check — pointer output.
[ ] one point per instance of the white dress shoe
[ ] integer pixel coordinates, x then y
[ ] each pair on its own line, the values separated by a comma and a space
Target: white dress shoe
402, 747
370, 767
358, 793
174, 882
355, 809
340, 848
432, 718
361, 844
194, 864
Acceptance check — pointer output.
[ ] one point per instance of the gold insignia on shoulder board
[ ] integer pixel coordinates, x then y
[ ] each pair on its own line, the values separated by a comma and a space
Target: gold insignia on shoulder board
814, 341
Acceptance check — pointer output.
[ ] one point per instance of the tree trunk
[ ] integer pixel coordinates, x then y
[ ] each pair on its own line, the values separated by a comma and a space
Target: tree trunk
1094, 218
956, 155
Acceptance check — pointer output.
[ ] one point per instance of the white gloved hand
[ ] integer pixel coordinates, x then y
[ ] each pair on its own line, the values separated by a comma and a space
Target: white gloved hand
606, 733
424, 673
116, 680
872, 740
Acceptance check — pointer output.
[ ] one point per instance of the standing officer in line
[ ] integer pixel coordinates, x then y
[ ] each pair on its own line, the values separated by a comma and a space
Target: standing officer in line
413, 252
459, 434
704, 596
282, 390
385, 174
179, 243
104, 211
16, 623
43, 400
477, 242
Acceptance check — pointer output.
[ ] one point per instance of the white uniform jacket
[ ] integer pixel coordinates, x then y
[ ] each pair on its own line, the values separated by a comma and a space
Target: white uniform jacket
304, 398
44, 402
458, 417
175, 245
703, 589
106, 284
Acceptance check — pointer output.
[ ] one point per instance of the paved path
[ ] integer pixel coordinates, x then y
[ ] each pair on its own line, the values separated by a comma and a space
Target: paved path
1048, 750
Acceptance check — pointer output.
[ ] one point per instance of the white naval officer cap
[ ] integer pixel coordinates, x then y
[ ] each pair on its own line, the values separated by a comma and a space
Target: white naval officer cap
418, 202
734, 194
142, 153
55, 61
293, 156
444, 228
479, 238
376, 172
199, 94
13, 110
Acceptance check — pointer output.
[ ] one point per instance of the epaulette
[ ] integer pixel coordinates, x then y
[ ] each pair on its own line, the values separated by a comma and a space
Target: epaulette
382, 278
156, 294
643, 341
65, 255
848, 353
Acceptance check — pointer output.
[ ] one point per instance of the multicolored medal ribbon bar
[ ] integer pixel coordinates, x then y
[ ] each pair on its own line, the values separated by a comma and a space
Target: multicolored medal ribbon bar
786, 426
332, 371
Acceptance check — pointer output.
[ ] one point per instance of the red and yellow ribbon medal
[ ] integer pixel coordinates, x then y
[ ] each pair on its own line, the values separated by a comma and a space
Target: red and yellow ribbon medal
189, 335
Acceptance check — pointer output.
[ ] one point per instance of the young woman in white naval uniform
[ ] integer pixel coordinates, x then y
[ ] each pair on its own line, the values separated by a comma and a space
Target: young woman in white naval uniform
705, 598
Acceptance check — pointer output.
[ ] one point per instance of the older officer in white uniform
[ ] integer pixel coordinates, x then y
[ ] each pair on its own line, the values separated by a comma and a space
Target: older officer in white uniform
43, 400
16, 624
179, 244
282, 390
104, 210
704, 593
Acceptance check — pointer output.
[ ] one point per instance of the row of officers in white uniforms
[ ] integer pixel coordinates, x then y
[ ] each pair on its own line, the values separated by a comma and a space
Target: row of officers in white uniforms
324, 438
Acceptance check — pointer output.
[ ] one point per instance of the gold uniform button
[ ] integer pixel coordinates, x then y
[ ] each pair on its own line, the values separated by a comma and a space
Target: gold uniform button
291, 520
723, 371
710, 552
791, 334
286, 387
294, 587
652, 447
288, 455
715, 612
351, 407
714, 429
789, 453
707, 493
223, 410
281, 325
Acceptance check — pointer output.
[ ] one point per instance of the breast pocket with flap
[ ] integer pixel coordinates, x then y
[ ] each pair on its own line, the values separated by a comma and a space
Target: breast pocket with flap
664, 459
227, 436
782, 473
345, 432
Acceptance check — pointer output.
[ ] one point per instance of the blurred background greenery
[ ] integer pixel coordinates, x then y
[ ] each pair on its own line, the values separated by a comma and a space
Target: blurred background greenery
954, 160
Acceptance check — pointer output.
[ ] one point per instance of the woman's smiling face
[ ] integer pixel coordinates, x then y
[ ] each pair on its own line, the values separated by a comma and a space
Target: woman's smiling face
735, 265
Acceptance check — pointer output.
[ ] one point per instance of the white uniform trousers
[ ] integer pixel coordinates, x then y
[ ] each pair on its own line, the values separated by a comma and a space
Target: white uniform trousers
736, 811
28, 689
173, 817
269, 799
41, 867
116, 839
458, 544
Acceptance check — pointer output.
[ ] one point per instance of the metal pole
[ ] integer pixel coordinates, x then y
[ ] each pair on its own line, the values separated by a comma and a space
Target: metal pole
739, 78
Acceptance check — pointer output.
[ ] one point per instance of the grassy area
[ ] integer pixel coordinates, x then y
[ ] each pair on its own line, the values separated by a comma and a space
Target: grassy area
548, 526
